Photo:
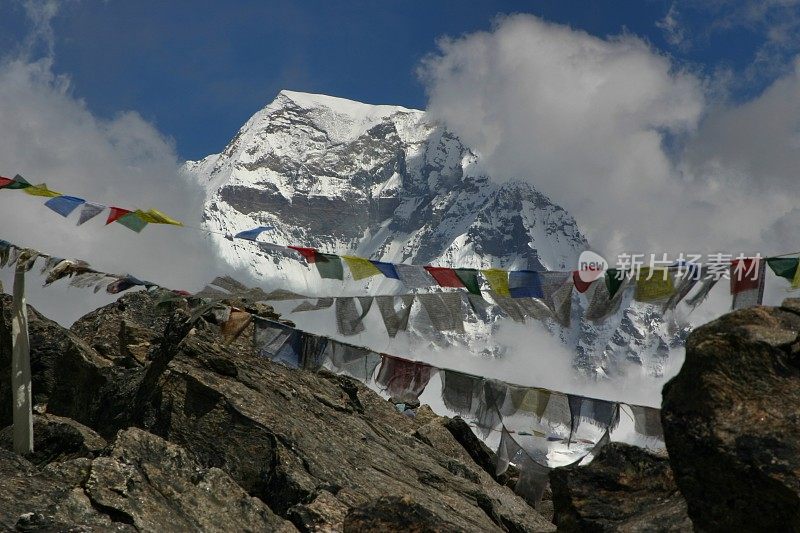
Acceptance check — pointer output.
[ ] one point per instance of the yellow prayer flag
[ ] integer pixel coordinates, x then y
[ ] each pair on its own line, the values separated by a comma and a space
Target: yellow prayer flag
154, 216
654, 286
531, 400
41, 190
498, 280
360, 268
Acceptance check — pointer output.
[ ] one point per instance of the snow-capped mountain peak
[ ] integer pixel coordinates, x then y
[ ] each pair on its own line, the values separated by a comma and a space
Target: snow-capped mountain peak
386, 183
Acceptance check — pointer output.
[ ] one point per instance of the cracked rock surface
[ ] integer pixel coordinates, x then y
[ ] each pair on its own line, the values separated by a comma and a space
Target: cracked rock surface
732, 418
207, 436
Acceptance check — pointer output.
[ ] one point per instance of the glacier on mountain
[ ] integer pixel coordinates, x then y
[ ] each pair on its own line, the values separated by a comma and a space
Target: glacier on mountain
384, 182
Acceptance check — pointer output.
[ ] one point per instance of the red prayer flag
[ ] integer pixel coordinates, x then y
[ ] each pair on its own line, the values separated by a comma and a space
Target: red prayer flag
744, 274
5, 181
445, 277
309, 253
580, 285
115, 213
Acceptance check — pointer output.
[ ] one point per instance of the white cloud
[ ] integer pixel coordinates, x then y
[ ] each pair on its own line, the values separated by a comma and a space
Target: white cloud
598, 124
48, 135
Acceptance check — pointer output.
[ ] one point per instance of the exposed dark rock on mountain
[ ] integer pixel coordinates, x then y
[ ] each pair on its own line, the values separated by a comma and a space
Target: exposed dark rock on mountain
201, 429
624, 489
732, 419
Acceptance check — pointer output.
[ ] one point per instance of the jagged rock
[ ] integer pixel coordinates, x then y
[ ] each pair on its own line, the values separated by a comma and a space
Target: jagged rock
57, 439
312, 446
624, 488
731, 419
144, 484
64, 369
395, 514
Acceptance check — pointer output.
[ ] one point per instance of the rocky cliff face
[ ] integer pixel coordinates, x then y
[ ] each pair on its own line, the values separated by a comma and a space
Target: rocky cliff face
731, 419
384, 182
207, 436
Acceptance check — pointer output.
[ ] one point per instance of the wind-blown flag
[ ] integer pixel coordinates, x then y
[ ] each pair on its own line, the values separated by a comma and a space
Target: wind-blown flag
469, 277
252, 234
580, 285
498, 280
786, 267
309, 254
329, 266
154, 216
115, 213
41, 190
89, 211
132, 222
18, 183
654, 285
747, 281
5, 182
64, 205
525, 283
414, 276
360, 268
387, 269
445, 277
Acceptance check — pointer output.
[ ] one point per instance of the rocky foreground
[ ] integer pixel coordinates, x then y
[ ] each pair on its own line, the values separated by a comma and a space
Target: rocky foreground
148, 421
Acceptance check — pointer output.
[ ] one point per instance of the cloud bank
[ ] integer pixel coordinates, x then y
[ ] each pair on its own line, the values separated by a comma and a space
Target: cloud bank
637, 148
50, 136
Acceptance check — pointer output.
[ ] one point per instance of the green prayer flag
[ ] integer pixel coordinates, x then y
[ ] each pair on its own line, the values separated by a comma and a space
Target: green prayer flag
614, 280
18, 183
784, 267
469, 277
329, 266
132, 221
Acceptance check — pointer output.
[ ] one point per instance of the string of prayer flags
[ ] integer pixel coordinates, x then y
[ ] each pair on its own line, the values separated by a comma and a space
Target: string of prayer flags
252, 234
64, 205
443, 310
360, 268
329, 266
747, 281
17, 183
525, 283
387, 269
445, 277
497, 280
786, 267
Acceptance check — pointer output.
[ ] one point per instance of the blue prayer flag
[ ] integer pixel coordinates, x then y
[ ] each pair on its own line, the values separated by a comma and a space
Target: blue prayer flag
387, 269
525, 283
252, 234
64, 205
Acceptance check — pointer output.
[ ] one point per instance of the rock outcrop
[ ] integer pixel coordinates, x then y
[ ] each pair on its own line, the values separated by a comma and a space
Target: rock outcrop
732, 418
199, 426
624, 489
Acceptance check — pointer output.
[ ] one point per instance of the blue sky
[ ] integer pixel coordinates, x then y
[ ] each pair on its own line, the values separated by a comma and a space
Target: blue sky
199, 69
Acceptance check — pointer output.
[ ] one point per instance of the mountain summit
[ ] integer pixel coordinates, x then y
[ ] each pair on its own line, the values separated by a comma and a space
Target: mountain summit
385, 182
